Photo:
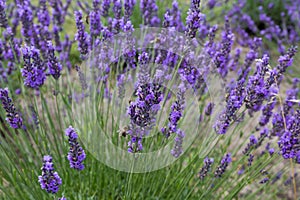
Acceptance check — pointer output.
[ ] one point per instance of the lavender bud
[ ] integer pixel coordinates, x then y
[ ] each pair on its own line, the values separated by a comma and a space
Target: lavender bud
224, 164
252, 143
12, 116
3, 19
34, 69
81, 36
206, 167
264, 180
209, 108
49, 180
177, 149
53, 65
105, 7
250, 160
76, 154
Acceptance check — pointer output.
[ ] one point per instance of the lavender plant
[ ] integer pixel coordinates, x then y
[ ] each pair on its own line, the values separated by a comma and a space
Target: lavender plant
195, 108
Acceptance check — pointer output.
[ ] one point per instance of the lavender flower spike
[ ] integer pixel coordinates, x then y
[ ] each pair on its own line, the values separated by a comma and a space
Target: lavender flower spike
194, 19
128, 8
81, 36
12, 116
76, 154
49, 180
224, 164
177, 150
54, 66
34, 70
3, 19
105, 7
206, 168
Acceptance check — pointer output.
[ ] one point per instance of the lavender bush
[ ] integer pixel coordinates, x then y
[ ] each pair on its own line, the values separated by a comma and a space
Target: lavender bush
187, 103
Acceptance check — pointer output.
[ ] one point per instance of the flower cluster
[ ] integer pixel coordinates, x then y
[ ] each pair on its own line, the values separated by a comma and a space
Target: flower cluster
194, 19
177, 149
43, 48
176, 112
221, 59
262, 24
34, 69
76, 154
3, 19
234, 102
142, 112
49, 180
252, 143
81, 36
206, 167
12, 116
149, 11
128, 8
54, 65
226, 160
256, 90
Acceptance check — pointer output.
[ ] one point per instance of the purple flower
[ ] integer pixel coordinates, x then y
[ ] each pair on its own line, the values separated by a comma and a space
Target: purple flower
3, 19
143, 110
59, 11
264, 180
149, 11
43, 14
267, 112
82, 78
129, 50
176, 112
224, 164
222, 55
105, 7
117, 20
234, 102
283, 63
194, 19
176, 17
271, 151
54, 65
12, 116
81, 36
206, 167
26, 16
263, 134
209, 108
251, 144
250, 160
235, 61
277, 177
286, 60
49, 180
128, 8
177, 149
120, 84
211, 4
58, 46
34, 68
241, 170
117, 9
76, 154
62, 198
65, 54
257, 90
95, 23
291, 96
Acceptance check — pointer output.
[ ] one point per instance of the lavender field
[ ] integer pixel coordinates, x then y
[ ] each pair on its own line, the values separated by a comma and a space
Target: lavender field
149, 99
